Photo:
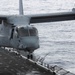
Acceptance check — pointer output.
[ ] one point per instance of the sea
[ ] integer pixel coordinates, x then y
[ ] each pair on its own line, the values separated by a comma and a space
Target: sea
57, 39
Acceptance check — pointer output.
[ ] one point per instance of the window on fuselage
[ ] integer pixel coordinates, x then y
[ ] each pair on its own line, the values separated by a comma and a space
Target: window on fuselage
33, 32
23, 32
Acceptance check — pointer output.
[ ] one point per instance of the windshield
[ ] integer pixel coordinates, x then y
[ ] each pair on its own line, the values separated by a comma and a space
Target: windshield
27, 31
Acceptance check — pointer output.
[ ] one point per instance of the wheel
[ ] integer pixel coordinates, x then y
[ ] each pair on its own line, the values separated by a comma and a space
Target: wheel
28, 56
31, 56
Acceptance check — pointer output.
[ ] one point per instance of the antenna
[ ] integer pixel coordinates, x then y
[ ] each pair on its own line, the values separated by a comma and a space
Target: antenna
21, 8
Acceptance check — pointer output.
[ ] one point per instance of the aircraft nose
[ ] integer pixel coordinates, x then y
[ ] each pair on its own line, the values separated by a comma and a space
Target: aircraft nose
32, 43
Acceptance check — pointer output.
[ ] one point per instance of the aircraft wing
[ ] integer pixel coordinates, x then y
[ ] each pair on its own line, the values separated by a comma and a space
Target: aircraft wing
19, 19
38, 18
52, 17
15, 19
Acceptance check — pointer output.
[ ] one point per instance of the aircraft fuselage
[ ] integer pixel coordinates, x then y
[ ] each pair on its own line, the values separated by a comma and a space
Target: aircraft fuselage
23, 38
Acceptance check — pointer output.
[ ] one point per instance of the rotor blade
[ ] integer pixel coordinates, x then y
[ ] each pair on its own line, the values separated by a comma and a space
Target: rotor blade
53, 17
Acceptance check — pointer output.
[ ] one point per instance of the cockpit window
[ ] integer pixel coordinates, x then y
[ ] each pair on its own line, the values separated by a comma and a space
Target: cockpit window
27, 31
33, 32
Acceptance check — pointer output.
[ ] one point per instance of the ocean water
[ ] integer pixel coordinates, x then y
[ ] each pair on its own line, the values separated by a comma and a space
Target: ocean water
56, 39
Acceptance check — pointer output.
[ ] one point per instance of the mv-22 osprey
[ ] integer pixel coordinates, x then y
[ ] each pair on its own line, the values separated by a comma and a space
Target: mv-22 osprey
16, 31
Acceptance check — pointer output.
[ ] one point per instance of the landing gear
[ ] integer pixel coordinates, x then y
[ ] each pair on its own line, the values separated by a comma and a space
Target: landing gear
30, 53
30, 56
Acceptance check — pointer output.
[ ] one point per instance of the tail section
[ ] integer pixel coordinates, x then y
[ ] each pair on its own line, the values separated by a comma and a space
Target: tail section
21, 8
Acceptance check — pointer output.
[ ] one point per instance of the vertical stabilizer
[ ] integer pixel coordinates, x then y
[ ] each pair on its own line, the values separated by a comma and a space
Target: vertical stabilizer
21, 8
